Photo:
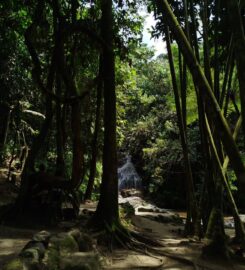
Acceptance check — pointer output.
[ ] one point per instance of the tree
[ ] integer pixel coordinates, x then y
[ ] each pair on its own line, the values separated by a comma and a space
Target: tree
107, 210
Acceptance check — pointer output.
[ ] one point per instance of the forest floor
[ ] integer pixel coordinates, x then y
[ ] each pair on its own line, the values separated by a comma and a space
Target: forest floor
180, 253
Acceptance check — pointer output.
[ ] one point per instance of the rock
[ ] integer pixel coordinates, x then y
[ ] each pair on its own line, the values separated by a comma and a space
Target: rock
53, 258
169, 218
134, 201
33, 251
81, 261
33, 266
128, 208
145, 209
75, 233
64, 242
152, 209
42, 236
229, 224
130, 193
15, 264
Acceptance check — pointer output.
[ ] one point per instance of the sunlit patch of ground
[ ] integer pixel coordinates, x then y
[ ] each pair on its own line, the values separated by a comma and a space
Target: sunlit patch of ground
12, 240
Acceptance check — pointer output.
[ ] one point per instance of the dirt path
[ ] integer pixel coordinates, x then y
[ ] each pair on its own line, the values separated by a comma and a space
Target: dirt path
12, 240
174, 245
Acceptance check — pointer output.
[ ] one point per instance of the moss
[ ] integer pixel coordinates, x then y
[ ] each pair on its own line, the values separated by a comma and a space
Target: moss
53, 259
65, 243
15, 264
69, 244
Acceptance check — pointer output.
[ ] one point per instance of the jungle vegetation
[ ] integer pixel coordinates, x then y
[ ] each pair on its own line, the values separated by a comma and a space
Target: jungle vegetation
80, 90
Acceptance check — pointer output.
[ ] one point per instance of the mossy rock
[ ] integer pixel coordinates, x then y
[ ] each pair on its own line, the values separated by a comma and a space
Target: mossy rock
128, 209
42, 236
53, 258
65, 243
75, 233
15, 264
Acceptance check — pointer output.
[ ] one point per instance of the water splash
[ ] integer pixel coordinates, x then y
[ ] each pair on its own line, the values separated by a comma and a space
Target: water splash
128, 177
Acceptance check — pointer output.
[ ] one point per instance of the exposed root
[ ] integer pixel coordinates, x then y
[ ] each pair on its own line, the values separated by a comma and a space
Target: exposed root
119, 236
136, 242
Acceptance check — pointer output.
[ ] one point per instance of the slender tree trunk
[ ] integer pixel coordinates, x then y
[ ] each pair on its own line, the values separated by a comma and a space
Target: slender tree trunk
228, 68
94, 147
77, 146
216, 51
235, 134
183, 88
107, 210
191, 200
206, 50
205, 90
60, 160
229, 90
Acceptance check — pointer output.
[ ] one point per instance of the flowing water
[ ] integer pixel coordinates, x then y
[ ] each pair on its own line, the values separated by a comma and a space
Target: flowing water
128, 177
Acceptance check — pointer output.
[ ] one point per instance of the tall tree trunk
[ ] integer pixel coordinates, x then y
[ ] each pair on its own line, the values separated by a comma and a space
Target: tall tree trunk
92, 169
228, 68
183, 88
191, 200
60, 160
107, 210
206, 50
77, 146
206, 91
216, 51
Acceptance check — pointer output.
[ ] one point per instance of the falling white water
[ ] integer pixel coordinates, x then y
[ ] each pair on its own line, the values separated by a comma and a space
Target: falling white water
128, 177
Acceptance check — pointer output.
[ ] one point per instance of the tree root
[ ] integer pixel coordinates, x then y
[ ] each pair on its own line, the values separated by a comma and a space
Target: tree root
134, 241
119, 236
140, 244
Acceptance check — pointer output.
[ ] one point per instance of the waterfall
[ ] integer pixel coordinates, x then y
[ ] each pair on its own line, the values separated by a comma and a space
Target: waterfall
128, 177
